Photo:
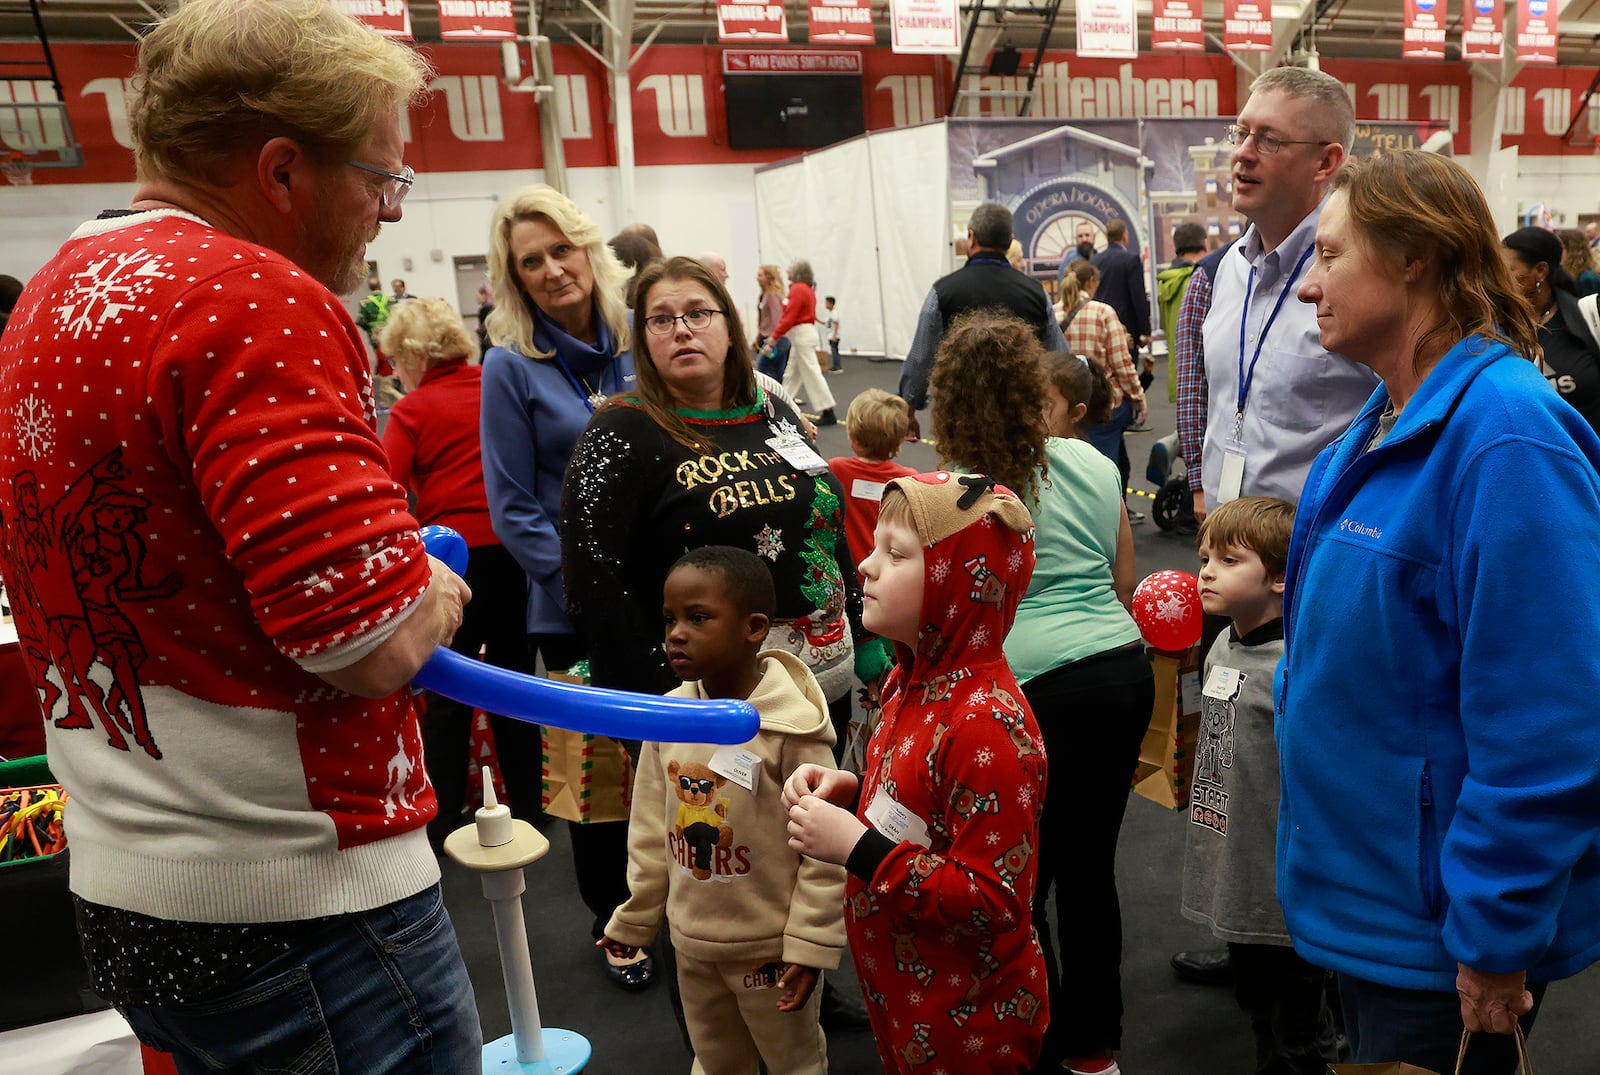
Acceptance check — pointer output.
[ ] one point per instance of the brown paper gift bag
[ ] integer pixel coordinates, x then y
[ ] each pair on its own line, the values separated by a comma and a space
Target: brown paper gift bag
1166, 756
1524, 1065
587, 778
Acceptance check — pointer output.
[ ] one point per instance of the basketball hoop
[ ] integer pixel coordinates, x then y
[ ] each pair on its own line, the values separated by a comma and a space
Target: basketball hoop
17, 169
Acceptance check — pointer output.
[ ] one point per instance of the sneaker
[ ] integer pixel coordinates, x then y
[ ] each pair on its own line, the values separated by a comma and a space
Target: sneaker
1135, 517
1102, 1063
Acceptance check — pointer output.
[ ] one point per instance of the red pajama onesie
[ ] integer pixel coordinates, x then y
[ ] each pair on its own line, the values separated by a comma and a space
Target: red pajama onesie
952, 971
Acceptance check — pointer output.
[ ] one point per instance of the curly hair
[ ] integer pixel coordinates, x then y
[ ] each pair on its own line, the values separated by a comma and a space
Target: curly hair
989, 405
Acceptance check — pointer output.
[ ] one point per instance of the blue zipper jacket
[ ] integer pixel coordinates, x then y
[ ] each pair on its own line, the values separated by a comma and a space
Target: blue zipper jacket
1437, 704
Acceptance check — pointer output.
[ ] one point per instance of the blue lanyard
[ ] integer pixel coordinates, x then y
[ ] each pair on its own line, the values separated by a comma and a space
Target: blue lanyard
1245, 378
589, 397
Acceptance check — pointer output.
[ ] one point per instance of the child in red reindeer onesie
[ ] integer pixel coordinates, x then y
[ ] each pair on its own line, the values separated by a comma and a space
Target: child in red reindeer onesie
939, 849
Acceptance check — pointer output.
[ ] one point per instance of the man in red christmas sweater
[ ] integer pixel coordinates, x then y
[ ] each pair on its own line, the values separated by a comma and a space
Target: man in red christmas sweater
221, 594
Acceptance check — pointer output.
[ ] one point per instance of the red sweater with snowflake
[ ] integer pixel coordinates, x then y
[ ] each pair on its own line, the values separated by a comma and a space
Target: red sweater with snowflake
197, 521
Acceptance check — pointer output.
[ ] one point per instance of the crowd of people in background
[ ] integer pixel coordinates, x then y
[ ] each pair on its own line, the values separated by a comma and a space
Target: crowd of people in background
1388, 415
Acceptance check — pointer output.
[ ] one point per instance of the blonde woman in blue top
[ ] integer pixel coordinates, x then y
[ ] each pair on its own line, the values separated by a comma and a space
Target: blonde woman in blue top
1006, 408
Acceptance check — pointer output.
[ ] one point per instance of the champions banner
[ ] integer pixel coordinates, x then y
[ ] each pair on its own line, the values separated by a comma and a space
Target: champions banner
924, 26
1108, 29
1178, 25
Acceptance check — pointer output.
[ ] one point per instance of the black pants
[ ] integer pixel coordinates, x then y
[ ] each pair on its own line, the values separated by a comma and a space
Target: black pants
1423, 1028
494, 621
1284, 997
1093, 714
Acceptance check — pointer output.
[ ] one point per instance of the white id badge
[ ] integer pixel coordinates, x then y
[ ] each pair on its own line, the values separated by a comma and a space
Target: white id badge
1222, 683
862, 489
1232, 475
739, 764
896, 822
799, 454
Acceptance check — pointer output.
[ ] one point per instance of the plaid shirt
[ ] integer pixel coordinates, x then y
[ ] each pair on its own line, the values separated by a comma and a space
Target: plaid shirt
1193, 393
1097, 334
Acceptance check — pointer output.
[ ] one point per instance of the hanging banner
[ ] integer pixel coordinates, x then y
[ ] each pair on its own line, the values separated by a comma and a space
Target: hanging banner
841, 22
737, 22
1246, 25
1178, 25
477, 20
391, 18
1482, 29
924, 26
1107, 29
1423, 38
1536, 32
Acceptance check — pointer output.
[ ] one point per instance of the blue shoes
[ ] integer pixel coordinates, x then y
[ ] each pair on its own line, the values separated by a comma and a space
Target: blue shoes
633, 973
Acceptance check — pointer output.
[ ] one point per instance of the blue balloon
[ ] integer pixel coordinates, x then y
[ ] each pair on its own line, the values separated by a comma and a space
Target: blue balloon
618, 714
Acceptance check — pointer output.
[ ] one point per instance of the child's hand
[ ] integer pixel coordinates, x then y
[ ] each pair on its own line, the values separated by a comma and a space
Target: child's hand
617, 948
826, 832
797, 984
833, 785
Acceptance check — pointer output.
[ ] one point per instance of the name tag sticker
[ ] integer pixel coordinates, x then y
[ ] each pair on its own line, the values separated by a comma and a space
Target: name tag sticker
1222, 683
896, 822
738, 764
862, 489
799, 454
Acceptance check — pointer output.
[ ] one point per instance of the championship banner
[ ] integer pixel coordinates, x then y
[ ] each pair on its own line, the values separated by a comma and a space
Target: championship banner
1482, 29
924, 26
391, 18
1178, 25
841, 22
1536, 32
738, 22
477, 20
1247, 25
1108, 29
1423, 37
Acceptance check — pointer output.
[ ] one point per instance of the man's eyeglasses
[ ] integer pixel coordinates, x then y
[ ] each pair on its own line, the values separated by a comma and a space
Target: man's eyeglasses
695, 320
398, 186
1265, 143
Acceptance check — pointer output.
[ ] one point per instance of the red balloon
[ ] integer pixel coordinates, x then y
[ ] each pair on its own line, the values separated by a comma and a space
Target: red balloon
1166, 606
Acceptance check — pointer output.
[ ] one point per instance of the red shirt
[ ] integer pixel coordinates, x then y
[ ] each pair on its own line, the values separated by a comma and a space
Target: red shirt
863, 482
799, 309
435, 451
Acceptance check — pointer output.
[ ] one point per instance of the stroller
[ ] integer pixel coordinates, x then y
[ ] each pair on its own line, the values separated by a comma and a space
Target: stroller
1174, 507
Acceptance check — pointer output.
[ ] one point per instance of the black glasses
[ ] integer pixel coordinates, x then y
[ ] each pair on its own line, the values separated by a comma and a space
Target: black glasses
1265, 143
398, 186
704, 787
694, 320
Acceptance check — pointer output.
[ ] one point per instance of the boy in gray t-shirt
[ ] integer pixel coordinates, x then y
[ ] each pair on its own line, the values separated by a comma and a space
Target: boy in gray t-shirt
1229, 872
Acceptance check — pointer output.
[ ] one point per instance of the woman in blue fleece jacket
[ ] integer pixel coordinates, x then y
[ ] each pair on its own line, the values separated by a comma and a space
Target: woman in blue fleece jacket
1439, 830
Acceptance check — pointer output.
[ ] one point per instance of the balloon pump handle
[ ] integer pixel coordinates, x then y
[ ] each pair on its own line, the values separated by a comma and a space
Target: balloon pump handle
498, 846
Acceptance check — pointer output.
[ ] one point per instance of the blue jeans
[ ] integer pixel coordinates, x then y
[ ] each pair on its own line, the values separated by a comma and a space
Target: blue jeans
773, 367
1107, 436
377, 991
1423, 1028
833, 346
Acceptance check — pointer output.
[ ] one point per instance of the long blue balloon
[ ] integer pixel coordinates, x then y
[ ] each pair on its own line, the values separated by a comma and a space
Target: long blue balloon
618, 714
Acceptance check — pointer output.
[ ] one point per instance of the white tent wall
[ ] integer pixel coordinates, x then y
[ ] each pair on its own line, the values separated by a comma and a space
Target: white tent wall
870, 216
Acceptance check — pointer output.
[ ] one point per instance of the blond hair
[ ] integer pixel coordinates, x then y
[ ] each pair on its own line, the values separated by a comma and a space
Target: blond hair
774, 282
217, 77
895, 510
426, 333
1262, 524
877, 422
510, 323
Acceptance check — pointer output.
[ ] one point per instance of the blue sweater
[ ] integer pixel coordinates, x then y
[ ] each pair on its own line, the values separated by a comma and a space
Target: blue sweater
533, 413
1436, 707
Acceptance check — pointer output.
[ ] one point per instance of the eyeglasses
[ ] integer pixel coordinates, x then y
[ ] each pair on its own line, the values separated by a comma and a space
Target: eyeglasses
694, 321
1265, 143
398, 186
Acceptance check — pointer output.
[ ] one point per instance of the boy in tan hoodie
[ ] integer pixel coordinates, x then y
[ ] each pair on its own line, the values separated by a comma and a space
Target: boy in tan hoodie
753, 923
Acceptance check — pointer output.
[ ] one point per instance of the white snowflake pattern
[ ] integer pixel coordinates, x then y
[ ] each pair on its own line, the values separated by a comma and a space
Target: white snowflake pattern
786, 432
1014, 561
904, 749
984, 756
955, 981
769, 543
978, 696
941, 570
1024, 795
974, 1044
992, 839
869, 962
1004, 1048
914, 997
950, 613
106, 290
36, 427
980, 636
1171, 609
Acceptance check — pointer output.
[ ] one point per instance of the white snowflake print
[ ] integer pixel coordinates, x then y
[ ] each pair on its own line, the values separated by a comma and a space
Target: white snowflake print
36, 427
980, 636
1014, 561
869, 962
978, 696
1024, 795
904, 748
974, 1044
941, 570
984, 756
1004, 1049
914, 997
786, 432
992, 839
106, 290
769, 543
955, 980
1171, 609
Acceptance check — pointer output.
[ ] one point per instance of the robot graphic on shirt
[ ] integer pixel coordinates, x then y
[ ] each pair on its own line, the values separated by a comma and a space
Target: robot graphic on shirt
1214, 751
